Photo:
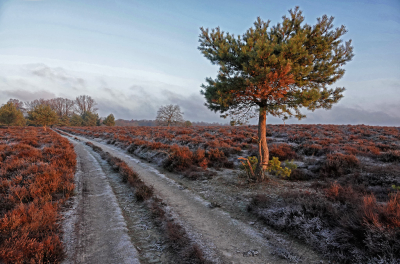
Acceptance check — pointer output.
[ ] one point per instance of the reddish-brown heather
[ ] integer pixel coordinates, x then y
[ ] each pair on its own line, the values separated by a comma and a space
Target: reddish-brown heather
36, 178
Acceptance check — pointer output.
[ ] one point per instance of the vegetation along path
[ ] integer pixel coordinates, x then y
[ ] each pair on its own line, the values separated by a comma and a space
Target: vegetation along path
226, 239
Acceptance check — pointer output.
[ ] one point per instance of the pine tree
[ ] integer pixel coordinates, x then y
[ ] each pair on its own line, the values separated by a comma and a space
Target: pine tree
43, 115
276, 71
11, 116
109, 120
89, 119
76, 120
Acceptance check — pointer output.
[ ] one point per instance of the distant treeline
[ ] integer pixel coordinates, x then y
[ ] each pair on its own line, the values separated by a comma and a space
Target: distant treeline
122, 122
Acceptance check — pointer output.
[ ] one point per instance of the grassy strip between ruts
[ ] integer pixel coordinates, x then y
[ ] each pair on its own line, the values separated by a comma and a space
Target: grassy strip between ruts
186, 250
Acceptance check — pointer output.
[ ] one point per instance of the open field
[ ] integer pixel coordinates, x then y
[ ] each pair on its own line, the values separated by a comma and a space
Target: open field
179, 194
36, 178
342, 199
185, 226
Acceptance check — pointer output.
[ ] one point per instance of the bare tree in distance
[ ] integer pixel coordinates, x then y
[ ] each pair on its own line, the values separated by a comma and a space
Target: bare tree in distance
62, 106
30, 105
169, 114
85, 103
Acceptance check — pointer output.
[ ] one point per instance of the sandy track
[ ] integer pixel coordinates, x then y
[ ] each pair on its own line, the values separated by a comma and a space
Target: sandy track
229, 237
94, 228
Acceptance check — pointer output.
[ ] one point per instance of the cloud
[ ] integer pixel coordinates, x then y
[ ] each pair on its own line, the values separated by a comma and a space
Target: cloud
124, 111
133, 103
348, 115
193, 107
133, 98
138, 103
26, 95
56, 75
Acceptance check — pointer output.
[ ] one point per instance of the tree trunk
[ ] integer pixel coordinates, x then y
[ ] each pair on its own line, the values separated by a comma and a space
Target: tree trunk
263, 152
44, 127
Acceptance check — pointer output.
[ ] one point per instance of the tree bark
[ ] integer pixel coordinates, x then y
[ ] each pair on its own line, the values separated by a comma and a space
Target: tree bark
263, 152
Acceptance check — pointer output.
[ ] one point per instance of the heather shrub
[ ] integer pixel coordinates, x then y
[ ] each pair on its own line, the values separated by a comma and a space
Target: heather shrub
282, 152
339, 164
312, 150
350, 150
136, 143
199, 158
216, 158
36, 178
179, 159
142, 191
390, 156
344, 225
300, 175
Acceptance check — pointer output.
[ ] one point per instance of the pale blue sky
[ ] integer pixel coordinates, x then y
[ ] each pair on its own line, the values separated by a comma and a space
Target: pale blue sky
133, 56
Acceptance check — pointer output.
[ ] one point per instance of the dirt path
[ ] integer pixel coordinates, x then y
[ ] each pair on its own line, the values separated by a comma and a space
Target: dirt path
233, 240
94, 228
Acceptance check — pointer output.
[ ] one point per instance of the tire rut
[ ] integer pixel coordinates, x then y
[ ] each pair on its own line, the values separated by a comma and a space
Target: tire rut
142, 230
214, 229
94, 228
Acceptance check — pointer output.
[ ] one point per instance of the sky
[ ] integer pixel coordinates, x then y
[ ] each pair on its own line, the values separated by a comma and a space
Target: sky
134, 56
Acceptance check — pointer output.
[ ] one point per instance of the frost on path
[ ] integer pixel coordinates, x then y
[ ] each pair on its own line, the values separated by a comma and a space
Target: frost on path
230, 238
94, 228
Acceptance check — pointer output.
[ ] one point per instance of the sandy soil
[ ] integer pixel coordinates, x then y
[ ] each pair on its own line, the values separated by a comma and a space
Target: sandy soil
94, 228
230, 235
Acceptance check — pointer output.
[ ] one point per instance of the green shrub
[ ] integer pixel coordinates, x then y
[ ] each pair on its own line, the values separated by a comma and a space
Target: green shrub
274, 167
249, 165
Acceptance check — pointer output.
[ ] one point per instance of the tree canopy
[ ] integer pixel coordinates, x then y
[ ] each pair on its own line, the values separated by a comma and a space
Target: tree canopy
276, 70
109, 120
76, 120
89, 119
10, 115
42, 115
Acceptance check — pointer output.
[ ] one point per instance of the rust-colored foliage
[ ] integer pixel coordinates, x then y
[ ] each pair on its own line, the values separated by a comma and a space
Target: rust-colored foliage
380, 216
180, 158
339, 164
282, 151
323, 152
200, 158
309, 140
36, 178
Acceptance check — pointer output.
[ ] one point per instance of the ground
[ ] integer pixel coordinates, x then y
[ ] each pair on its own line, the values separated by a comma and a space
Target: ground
212, 211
